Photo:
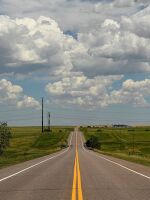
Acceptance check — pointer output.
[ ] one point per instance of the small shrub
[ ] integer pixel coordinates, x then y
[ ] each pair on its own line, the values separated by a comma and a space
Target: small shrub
93, 142
99, 130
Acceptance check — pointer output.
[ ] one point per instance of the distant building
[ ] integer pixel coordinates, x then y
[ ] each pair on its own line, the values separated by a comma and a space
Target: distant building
120, 126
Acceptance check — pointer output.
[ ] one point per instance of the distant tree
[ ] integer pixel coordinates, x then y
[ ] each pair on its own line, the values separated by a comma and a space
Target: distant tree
93, 142
5, 135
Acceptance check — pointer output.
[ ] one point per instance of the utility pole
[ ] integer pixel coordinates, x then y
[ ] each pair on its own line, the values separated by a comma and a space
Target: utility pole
42, 114
49, 121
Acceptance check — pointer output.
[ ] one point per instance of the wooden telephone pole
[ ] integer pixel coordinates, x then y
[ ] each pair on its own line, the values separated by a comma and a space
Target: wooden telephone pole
42, 114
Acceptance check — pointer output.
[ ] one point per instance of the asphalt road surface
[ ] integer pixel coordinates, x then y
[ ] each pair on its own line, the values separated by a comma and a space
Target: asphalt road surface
75, 174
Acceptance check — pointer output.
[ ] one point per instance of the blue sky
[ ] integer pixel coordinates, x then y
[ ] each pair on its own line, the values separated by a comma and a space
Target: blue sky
90, 60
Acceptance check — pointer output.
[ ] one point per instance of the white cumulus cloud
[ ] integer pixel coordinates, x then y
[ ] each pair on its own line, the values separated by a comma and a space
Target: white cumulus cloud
81, 90
132, 92
13, 95
99, 91
28, 45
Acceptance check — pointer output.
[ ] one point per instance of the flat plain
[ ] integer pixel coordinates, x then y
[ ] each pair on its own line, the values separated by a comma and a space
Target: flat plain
132, 143
28, 143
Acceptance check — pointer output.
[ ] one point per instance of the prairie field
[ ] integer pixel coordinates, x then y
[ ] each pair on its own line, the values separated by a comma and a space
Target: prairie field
28, 143
131, 143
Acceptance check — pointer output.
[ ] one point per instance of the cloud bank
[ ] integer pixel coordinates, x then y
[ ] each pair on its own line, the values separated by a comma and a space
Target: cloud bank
99, 92
85, 56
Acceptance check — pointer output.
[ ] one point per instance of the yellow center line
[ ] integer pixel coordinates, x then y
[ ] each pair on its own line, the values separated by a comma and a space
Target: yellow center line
74, 181
80, 195
77, 186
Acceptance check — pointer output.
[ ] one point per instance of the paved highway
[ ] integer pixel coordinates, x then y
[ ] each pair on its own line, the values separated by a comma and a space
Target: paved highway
75, 174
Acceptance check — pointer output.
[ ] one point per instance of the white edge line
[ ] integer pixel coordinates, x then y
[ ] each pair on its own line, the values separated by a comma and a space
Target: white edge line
43, 161
148, 177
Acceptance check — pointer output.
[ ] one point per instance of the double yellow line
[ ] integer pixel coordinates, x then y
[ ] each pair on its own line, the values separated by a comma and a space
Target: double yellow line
77, 186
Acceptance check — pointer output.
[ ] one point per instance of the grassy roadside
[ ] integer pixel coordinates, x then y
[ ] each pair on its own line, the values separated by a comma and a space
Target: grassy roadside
132, 144
28, 143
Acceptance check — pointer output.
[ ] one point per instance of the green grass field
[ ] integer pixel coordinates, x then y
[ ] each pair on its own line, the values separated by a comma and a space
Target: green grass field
131, 144
29, 143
